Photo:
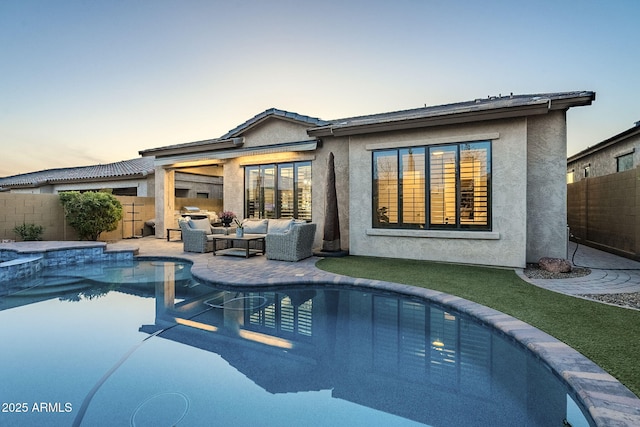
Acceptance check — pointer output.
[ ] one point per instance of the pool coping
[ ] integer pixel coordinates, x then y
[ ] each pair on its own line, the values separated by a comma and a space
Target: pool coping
26, 259
597, 392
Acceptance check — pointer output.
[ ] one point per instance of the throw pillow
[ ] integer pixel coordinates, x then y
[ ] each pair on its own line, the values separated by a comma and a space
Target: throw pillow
255, 226
200, 224
279, 226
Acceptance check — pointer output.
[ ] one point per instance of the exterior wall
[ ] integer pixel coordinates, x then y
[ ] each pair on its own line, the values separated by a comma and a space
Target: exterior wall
603, 212
505, 245
275, 131
603, 162
546, 186
45, 189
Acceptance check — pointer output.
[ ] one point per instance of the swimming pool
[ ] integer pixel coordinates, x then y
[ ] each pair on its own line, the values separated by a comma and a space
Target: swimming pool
143, 343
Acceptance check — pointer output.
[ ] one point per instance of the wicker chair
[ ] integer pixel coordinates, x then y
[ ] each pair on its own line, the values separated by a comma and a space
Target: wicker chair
294, 245
196, 240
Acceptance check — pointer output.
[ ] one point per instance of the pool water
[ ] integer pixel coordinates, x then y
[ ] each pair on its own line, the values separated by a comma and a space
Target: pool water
144, 344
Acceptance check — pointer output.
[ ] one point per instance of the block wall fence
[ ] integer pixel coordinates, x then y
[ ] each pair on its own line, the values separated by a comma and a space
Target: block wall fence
603, 212
46, 210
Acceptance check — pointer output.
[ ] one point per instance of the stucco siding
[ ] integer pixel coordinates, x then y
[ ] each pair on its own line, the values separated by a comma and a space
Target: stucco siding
546, 186
275, 131
504, 245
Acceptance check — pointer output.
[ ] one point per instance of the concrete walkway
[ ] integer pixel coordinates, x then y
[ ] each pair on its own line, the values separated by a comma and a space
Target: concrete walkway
610, 274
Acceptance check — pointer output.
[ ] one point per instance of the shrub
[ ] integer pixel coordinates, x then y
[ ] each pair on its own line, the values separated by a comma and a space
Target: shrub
91, 213
29, 232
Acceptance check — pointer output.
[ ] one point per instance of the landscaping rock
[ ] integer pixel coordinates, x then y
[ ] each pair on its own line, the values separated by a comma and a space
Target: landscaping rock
555, 265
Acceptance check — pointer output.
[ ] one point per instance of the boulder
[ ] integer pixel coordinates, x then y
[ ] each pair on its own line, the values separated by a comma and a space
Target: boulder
555, 265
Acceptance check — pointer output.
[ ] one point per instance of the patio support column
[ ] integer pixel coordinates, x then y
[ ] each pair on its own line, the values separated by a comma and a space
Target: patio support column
165, 201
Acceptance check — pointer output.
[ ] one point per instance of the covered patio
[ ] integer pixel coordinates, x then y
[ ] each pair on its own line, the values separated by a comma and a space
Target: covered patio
265, 164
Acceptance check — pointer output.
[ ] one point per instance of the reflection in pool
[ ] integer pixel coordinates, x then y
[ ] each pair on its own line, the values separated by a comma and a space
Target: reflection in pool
145, 344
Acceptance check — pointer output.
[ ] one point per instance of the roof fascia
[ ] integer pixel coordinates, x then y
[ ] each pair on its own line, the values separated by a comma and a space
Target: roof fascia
194, 148
439, 120
217, 157
576, 101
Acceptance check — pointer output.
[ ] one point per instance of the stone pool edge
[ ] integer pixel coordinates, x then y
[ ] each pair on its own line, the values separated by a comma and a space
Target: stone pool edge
25, 259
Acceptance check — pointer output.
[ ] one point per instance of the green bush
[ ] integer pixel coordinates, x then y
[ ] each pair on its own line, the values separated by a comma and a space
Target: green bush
29, 232
91, 213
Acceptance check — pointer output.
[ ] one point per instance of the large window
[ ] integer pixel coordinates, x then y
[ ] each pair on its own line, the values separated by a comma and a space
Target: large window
278, 191
442, 186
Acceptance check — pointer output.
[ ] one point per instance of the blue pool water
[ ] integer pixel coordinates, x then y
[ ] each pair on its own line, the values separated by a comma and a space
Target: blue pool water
144, 344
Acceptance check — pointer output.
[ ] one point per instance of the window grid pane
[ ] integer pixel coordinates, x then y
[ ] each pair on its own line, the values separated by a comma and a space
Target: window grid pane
303, 191
252, 196
386, 187
285, 191
442, 197
474, 184
268, 174
413, 186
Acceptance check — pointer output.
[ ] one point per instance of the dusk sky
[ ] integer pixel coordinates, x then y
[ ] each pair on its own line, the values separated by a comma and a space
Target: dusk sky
88, 82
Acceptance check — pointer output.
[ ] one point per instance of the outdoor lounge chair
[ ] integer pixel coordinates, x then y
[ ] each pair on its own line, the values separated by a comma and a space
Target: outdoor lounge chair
292, 245
197, 234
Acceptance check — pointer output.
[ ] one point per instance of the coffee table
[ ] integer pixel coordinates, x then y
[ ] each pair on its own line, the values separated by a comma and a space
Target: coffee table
239, 246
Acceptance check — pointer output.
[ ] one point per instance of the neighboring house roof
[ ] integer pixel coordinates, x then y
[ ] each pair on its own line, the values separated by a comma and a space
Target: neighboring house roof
622, 136
128, 168
496, 107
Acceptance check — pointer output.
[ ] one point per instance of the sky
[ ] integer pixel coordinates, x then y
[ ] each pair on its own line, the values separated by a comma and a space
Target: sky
96, 81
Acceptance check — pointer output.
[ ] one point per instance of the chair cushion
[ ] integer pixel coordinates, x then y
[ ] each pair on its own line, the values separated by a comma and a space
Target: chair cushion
200, 224
255, 226
280, 226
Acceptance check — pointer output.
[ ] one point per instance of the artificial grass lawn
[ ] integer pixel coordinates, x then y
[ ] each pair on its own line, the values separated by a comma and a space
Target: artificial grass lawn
609, 336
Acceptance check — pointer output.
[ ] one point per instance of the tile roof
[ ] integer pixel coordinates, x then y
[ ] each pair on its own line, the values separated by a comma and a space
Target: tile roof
273, 112
560, 100
127, 168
